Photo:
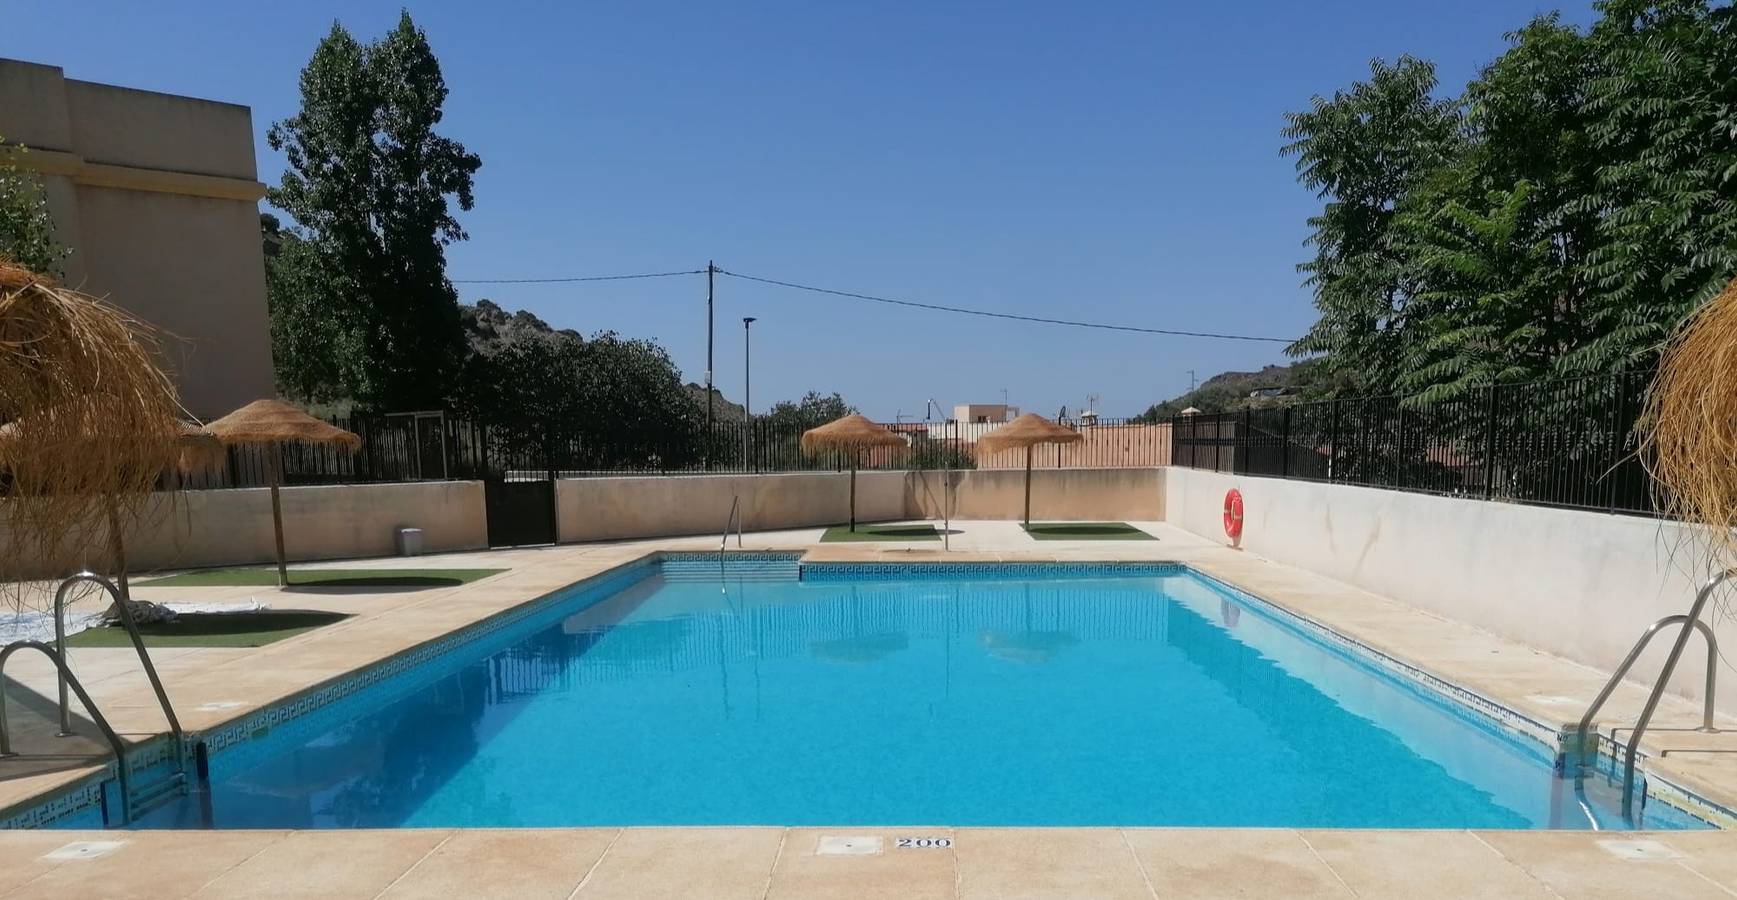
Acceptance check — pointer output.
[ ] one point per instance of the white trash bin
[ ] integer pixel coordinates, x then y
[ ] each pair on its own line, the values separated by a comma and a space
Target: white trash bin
409, 542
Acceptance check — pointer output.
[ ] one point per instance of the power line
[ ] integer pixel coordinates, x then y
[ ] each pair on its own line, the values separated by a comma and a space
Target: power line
852, 295
574, 278
1001, 315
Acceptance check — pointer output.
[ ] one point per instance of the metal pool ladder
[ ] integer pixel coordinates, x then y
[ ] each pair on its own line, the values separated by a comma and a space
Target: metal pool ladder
57, 655
1689, 622
734, 519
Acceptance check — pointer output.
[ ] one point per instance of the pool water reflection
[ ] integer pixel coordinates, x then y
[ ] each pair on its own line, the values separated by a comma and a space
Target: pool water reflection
1150, 700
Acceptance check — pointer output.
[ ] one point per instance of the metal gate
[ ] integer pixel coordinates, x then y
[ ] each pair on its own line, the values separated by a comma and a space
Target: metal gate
520, 512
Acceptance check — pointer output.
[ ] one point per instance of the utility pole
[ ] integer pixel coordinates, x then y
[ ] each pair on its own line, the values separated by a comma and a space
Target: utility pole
747, 388
710, 270
1192, 382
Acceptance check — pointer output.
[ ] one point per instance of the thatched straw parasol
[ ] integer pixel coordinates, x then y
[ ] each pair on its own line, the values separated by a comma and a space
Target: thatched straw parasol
271, 424
1690, 427
68, 360
191, 452
851, 434
1027, 431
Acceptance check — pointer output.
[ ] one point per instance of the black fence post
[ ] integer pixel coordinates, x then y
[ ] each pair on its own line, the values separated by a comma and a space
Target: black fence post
549, 453
1490, 443
1618, 403
1241, 463
1333, 443
1285, 444
1399, 445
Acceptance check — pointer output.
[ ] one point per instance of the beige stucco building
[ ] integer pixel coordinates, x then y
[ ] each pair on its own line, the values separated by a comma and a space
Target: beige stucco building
158, 197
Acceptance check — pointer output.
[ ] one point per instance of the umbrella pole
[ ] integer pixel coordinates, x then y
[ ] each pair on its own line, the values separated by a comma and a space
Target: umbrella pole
1028, 487
119, 551
276, 461
853, 490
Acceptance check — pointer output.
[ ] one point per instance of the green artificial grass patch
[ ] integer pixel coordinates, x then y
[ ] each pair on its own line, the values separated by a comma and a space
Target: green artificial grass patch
334, 578
1086, 531
241, 629
843, 534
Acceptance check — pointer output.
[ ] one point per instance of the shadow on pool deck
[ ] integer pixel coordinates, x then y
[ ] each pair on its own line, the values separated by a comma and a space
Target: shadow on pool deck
238, 629
838, 534
372, 584
1086, 531
317, 580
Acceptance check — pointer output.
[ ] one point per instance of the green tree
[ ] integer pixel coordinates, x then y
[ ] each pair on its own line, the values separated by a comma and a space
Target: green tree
26, 228
1664, 122
813, 410
1560, 217
369, 182
603, 403
1365, 151
307, 342
1495, 238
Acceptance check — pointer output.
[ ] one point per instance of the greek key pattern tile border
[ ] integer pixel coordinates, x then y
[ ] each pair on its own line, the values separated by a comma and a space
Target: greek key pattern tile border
68, 803
903, 571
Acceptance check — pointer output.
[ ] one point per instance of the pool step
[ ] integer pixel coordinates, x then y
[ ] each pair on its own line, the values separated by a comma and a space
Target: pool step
737, 565
156, 793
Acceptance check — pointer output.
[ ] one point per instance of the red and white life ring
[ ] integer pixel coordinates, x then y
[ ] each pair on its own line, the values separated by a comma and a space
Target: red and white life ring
1233, 514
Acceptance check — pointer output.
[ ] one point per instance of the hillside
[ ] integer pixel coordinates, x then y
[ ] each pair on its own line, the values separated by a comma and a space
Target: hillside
1230, 391
489, 328
725, 410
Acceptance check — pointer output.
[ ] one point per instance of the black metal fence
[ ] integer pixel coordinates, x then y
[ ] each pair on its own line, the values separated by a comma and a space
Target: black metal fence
398, 447
435, 445
1568, 443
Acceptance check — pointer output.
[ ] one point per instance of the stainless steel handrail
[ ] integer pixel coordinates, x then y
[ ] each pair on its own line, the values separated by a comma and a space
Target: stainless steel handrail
132, 627
723, 542
1690, 621
734, 519
114, 740
946, 505
1628, 662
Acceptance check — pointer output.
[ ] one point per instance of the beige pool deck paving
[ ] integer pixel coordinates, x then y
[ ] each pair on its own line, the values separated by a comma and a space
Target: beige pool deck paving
213, 686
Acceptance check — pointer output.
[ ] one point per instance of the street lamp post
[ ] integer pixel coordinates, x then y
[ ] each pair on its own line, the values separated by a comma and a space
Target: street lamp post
747, 384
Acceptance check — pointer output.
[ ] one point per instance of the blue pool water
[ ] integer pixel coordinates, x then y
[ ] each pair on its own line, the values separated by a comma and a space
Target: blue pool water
1040, 698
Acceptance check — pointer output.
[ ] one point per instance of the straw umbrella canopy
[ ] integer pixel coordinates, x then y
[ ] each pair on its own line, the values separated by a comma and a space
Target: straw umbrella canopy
1027, 431
851, 434
271, 424
68, 360
82, 424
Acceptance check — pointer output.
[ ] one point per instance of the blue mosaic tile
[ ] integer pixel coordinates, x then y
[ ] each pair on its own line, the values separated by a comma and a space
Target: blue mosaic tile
734, 565
983, 571
81, 804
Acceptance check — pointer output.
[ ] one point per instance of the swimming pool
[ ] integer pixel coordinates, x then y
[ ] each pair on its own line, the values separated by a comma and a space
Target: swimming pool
961, 694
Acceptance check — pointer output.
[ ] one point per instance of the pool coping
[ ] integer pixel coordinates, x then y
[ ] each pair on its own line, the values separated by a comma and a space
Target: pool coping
86, 791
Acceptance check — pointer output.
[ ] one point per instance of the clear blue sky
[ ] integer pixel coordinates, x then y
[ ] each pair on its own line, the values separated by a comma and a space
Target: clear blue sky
1112, 161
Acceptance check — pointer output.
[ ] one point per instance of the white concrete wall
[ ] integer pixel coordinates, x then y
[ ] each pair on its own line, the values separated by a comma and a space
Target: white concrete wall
229, 527
603, 509
1577, 584
1079, 495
